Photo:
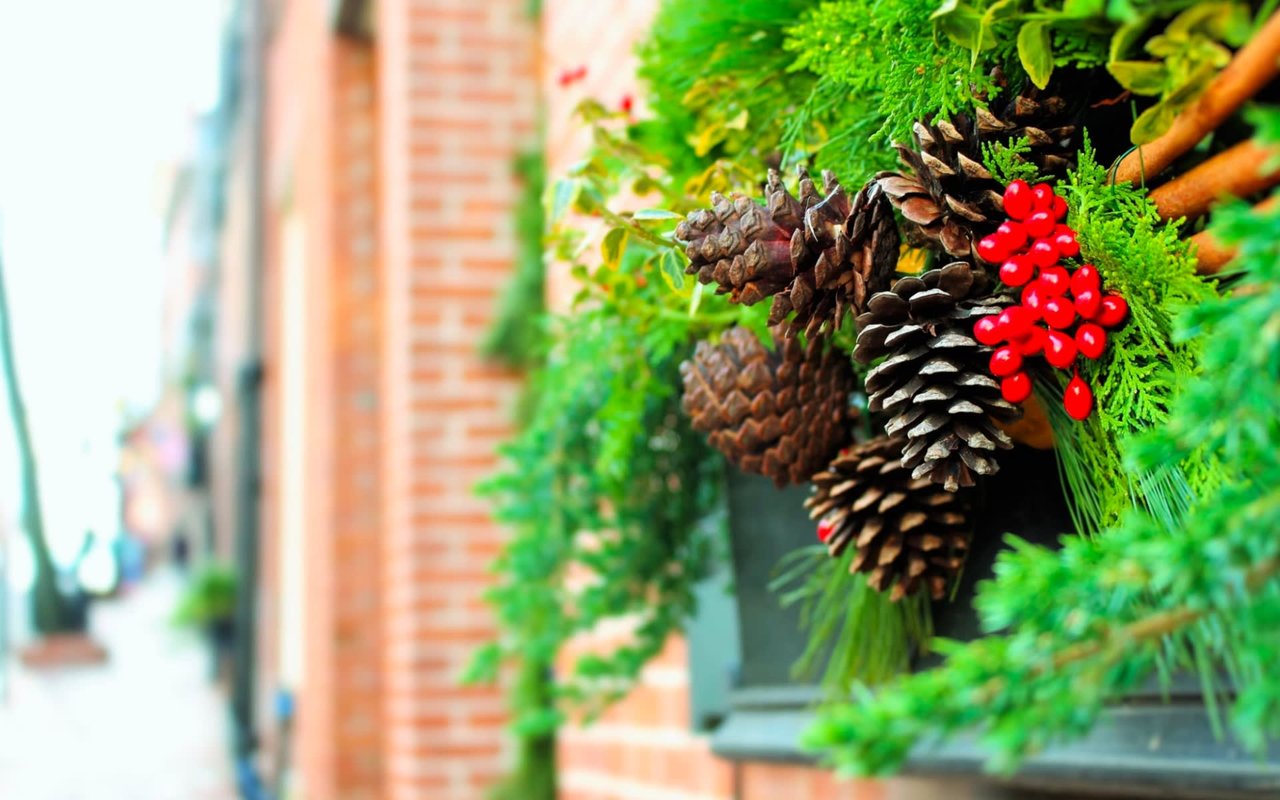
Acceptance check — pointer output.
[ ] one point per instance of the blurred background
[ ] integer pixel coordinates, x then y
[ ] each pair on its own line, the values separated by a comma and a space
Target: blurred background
249, 251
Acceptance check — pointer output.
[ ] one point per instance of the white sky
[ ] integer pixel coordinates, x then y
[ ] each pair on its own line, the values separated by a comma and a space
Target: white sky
95, 95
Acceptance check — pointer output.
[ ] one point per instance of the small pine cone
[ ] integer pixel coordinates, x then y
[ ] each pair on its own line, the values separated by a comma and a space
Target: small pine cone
778, 414
907, 533
816, 256
947, 197
934, 385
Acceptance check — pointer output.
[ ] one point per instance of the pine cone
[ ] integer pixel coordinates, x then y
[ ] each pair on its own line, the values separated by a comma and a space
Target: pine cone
908, 534
779, 414
948, 197
934, 384
815, 256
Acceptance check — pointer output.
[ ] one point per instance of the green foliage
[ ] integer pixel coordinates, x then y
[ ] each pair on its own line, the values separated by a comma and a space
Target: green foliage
1008, 163
1141, 258
209, 598
856, 636
514, 338
606, 485
878, 52
1097, 619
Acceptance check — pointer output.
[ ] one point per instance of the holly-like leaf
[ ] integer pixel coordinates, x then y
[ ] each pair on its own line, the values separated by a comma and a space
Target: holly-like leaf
671, 267
613, 246
562, 198
1140, 77
1035, 51
655, 213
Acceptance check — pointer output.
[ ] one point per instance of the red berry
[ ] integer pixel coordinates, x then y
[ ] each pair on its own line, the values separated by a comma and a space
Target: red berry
987, 332
994, 248
1033, 343
1114, 310
1059, 312
1015, 388
1067, 245
1043, 253
627, 103
1053, 281
1059, 349
1015, 233
1091, 340
1033, 299
1060, 229
580, 72
1042, 197
1088, 303
1086, 279
1017, 200
825, 528
1005, 361
1014, 322
565, 78
1058, 208
1017, 270
1078, 398
1039, 224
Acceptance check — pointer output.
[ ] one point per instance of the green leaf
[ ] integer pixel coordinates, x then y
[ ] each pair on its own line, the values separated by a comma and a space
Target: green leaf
672, 270
613, 246
1127, 37
655, 213
1035, 51
564, 196
963, 25
1082, 9
1140, 77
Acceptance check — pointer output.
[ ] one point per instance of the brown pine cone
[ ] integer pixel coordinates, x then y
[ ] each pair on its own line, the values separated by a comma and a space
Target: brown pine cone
779, 414
816, 256
947, 197
907, 533
933, 383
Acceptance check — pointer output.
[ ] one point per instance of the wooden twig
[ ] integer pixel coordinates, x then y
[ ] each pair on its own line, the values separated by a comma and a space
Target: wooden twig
1237, 172
1211, 254
1253, 66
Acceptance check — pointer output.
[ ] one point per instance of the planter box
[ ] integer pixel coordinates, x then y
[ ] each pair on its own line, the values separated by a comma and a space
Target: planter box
1144, 747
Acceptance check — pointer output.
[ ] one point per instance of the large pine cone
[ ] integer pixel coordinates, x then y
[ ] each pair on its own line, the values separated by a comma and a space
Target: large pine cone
817, 256
908, 534
778, 414
934, 384
948, 198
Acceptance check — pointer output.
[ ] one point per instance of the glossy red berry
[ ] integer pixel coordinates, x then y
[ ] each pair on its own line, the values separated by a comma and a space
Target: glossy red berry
825, 528
1113, 311
1088, 303
1059, 312
1086, 279
565, 78
987, 332
994, 248
1043, 253
1041, 197
1014, 322
1015, 234
1017, 200
627, 103
1091, 340
1059, 349
1067, 245
1016, 388
1017, 270
1005, 361
1032, 299
1053, 281
1032, 343
1058, 208
1078, 398
1040, 223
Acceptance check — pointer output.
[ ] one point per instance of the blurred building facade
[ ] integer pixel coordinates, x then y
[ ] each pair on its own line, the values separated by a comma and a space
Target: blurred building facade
349, 221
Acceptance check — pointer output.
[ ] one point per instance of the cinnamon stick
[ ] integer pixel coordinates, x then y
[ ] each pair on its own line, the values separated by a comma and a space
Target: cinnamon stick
1211, 254
1250, 69
1237, 172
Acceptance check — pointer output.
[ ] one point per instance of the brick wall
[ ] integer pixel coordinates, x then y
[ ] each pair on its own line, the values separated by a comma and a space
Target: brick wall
643, 748
456, 93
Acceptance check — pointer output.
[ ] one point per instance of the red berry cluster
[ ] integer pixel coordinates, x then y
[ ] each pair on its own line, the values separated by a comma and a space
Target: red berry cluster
1062, 314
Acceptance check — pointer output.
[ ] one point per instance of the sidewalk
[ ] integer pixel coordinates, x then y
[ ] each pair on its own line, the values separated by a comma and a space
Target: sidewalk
147, 725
